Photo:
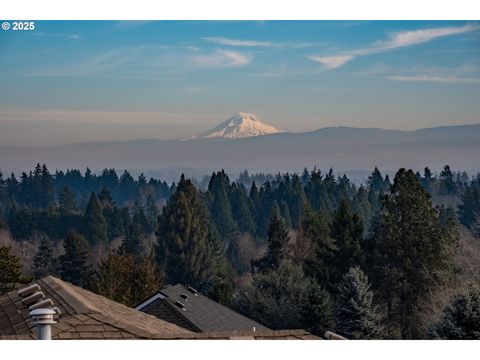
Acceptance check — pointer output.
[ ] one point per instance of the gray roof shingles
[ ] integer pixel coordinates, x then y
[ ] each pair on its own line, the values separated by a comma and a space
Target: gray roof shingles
200, 313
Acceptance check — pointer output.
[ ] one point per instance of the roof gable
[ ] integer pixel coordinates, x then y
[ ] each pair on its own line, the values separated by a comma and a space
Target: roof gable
197, 312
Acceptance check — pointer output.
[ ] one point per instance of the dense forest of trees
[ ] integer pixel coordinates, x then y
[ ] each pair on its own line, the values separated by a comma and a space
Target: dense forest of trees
391, 258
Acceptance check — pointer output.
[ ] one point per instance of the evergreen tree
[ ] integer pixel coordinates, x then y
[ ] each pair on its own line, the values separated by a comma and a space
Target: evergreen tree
114, 277
10, 271
12, 186
47, 187
305, 176
277, 242
284, 298
447, 182
142, 182
375, 180
315, 191
407, 253
285, 213
315, 229
296, 201
127, 188
469, 209
67, 201
132, 243
147, 278
361, 205
4, 196
317, 310
185, 246
386, 183
219, 205
347, 231
43, 262
222, 285
117, 220
139, 217
105, 198
242, 209
461, 319
254, 195
123, 279
265, 208
427, 180
356, 316
74, 266
95, 225
374, 201
151, 214
376, 188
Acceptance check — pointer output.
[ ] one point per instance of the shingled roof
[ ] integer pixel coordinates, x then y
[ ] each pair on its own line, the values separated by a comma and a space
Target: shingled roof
193, 311
84, 315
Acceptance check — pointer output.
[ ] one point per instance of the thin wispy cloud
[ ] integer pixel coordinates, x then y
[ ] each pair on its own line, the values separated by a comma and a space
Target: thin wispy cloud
408, 38
395, 41
221, 58
255, 43
331, 62
236, 42
68, 36
143, 62
429, 78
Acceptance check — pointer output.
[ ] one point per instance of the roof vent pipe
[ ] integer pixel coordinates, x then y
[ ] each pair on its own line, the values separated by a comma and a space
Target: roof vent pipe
43, 320
180, 305
47, 303
32, 299
192, 290
29, 290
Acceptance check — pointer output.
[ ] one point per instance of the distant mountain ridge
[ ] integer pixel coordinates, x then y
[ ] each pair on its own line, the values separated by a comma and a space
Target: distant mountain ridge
344, 149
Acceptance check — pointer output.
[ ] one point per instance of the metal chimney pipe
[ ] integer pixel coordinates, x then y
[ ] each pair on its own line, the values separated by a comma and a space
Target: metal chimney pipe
43, 320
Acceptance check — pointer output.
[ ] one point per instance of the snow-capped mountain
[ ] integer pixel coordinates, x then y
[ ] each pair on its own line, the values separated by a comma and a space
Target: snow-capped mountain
240, 125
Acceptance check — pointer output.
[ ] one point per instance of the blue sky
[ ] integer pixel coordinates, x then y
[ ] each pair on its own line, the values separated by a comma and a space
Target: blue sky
71, 81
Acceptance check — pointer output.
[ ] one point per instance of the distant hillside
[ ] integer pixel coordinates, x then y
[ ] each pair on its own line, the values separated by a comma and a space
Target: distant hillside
343, 148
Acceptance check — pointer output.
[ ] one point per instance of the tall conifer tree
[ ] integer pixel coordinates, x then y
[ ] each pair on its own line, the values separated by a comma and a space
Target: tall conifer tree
43, 262
67, 201
315, 229
277, 239
356, 315
347, 231
220, 207
408, 252
185, 248
95, 225
74, 266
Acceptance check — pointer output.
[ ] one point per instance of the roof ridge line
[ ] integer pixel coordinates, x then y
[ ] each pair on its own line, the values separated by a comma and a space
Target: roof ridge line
69, 294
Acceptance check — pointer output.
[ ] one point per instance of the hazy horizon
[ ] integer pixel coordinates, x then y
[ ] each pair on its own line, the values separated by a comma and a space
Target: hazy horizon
79, 81
107, 135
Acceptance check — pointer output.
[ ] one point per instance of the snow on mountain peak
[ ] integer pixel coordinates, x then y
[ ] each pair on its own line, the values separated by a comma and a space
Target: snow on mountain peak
240, 125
